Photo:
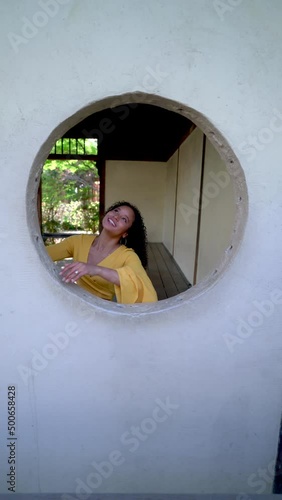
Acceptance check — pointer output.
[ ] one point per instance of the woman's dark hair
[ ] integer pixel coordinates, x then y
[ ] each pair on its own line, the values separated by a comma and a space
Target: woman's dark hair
137, 233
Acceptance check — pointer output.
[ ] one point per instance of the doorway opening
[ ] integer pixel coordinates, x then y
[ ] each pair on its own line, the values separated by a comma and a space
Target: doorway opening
69, 190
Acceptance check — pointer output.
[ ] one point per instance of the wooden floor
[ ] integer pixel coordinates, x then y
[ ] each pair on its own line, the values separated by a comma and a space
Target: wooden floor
164, 273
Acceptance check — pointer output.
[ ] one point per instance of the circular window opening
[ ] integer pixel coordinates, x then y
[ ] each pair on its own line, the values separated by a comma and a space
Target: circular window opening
165, 158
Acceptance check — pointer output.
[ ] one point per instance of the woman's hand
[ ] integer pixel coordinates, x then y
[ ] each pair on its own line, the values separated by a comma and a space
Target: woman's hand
72, 272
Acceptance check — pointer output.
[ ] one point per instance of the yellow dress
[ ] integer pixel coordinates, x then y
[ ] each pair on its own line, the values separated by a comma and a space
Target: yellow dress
135, 285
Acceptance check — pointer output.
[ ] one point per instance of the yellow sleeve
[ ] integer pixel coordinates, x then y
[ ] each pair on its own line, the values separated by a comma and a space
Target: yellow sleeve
135, 284
62, 250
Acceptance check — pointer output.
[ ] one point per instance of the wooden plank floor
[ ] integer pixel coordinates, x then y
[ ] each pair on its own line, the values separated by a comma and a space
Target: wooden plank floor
164, 273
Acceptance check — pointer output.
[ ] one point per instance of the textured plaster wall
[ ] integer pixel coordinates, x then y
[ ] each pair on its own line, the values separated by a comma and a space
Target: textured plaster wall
200, 376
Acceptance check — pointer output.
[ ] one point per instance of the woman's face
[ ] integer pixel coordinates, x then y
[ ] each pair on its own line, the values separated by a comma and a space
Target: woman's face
119, 220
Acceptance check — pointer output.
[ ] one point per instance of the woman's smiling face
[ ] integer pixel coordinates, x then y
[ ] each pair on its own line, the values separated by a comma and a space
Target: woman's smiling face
119, 220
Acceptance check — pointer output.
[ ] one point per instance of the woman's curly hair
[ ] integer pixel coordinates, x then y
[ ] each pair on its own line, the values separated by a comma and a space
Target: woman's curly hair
137, 233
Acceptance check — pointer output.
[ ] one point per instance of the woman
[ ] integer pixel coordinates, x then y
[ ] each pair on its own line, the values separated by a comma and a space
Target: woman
111, 264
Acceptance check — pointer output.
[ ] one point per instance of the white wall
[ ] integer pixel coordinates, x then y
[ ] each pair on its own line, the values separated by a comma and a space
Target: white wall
170, 202
218, 213
218, 207
143, 184
116, 364
189, 176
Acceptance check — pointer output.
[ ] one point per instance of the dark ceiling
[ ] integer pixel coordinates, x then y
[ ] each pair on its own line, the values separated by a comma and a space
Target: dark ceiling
135, 132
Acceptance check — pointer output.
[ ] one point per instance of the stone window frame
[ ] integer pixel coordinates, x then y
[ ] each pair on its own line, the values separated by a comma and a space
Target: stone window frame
224, 150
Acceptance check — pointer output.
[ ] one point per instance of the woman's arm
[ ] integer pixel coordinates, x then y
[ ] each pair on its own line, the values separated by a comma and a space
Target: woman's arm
72, 272
132, 284
62, 250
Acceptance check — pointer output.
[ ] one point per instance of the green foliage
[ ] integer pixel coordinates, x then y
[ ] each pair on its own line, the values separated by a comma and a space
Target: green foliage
75, 146
68, 190
70, 217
